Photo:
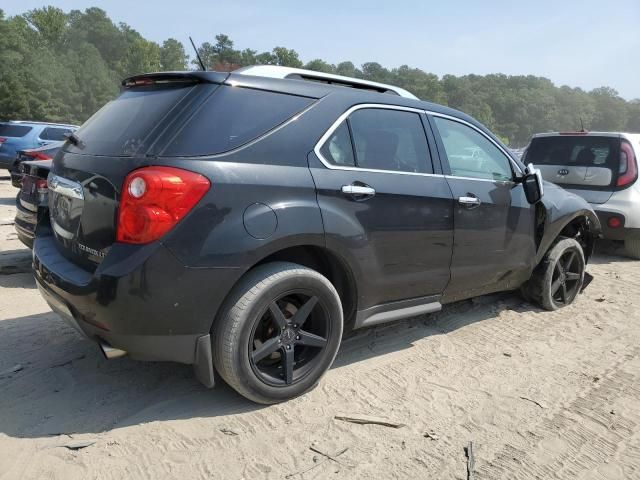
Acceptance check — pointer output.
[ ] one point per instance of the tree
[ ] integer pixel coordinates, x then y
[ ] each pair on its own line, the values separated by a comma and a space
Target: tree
610, 110
348, 69
319, 65
51, 24
142, 56
633, 116
173, 56
286, 57
81, 56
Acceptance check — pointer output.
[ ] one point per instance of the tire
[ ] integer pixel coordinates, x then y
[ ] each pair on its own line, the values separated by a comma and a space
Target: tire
546, 284
632, 246
249, 325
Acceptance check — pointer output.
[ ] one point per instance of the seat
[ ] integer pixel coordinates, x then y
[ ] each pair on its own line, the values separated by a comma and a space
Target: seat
585, 157
380, 150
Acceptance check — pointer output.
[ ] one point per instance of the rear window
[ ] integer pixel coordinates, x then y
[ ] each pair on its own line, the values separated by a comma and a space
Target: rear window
579, 151
232, 117
126, 126
15, 131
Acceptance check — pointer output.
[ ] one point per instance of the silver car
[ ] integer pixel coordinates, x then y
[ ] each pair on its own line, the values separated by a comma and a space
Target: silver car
601, 167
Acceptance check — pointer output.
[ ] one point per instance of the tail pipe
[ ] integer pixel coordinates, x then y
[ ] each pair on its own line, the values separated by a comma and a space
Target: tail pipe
109, 352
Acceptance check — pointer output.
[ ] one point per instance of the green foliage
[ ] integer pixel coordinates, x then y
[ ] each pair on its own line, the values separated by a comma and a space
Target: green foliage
59, 66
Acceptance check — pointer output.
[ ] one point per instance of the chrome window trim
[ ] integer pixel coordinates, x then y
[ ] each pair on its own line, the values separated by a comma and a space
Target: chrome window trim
459, 120
341, 118
501, 182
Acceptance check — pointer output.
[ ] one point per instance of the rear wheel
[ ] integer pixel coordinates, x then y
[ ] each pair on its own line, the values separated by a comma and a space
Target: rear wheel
558, 279
632, 246
278, 333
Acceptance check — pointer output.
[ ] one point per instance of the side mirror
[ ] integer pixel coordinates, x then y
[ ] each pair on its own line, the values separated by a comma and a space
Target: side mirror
532, 184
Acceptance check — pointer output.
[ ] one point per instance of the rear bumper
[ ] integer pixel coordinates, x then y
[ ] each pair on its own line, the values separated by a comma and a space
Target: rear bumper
25, 224
619, 233
140, 299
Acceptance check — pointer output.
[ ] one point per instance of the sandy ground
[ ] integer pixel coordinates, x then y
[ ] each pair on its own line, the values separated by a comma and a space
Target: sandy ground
541, 395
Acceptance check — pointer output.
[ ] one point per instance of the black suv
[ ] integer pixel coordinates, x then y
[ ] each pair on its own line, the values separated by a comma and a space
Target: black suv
242, 223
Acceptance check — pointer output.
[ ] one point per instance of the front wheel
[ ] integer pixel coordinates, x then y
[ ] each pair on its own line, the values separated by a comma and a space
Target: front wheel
278, 332
558, 279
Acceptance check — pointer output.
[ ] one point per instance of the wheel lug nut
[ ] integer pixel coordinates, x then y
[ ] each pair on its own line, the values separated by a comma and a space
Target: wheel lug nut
297, 337
288, 347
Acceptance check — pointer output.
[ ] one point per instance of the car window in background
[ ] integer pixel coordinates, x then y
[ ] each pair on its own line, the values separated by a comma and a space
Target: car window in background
232, 117
124, 126
584, 151
471, 154
393, 140
55, 134
15, 131
338, 149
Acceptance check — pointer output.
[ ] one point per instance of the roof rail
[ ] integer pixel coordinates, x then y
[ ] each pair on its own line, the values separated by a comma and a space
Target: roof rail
35, 122
275, 71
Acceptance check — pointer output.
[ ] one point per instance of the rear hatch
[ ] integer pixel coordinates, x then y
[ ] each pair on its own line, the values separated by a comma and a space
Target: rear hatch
33, 191
156, 119
585, 164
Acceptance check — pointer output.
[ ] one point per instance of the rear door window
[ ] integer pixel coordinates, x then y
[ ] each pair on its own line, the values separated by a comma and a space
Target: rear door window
380, 139
386, 139
233, 117
55, 133
14, 131
338, 149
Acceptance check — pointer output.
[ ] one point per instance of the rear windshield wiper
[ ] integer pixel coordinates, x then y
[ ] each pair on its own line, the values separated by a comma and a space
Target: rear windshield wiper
74, 139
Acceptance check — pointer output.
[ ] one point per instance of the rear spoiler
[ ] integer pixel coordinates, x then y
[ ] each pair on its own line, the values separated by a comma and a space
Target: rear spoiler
174, 77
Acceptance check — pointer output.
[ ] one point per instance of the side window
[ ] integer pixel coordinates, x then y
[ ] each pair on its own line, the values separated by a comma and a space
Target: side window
52, 133
387, 139
471, 154
338, 149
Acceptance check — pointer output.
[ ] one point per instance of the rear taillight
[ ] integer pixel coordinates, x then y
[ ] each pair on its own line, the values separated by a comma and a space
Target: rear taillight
41, 185
154, 200
37, 155
628, 170
614, 222
2, 139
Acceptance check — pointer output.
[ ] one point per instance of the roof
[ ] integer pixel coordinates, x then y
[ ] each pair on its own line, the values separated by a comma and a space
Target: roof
29, 122
275, 71
580, 134
587, 134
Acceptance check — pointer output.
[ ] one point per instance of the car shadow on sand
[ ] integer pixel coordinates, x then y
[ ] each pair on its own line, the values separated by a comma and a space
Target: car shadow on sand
609, 251
54, 382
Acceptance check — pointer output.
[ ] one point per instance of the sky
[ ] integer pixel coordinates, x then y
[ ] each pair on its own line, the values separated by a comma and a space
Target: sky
584, 44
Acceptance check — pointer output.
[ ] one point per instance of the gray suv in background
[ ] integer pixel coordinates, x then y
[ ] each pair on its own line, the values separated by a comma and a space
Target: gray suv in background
602, 168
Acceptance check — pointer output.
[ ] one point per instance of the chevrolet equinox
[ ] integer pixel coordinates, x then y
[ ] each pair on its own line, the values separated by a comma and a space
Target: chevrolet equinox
240, 222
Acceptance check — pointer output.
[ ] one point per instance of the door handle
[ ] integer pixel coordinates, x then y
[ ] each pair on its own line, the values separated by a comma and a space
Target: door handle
358, 190
469, 201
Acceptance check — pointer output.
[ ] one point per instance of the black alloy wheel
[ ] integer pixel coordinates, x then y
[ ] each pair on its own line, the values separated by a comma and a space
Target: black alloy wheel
278, 332
288, 338
567, 278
